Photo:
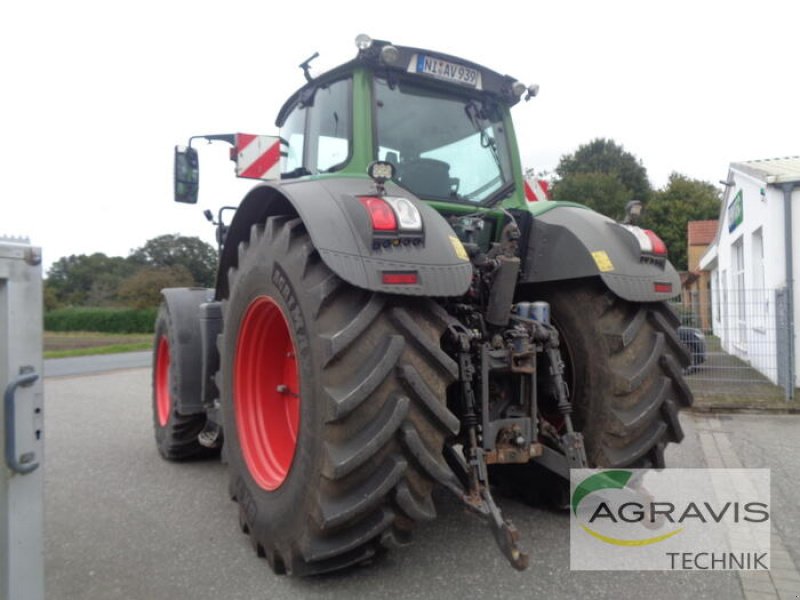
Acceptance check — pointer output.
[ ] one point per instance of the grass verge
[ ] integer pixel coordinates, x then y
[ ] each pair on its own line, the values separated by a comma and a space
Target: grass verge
87, 343
114, 349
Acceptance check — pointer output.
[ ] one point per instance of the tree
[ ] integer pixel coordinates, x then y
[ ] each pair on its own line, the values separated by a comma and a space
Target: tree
143, 288
72, 279
49, 298
602, 157
602, 192
95, 279
671, 208
172, 250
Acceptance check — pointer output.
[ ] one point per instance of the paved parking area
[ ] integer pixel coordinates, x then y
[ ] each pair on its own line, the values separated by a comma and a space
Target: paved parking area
99, 363
121, 523
752, 441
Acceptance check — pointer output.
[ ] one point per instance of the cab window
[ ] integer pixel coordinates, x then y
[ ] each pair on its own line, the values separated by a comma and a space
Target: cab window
444, 147
317, 136
293, 137
329, 127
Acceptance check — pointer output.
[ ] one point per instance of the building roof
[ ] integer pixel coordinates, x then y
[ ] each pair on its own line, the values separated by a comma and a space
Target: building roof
702, 233
772, 170
709, 260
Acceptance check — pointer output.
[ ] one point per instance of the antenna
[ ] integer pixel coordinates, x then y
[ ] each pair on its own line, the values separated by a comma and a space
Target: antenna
307, 65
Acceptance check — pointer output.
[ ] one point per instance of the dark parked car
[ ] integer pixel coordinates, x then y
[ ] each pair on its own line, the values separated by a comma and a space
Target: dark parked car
695, 341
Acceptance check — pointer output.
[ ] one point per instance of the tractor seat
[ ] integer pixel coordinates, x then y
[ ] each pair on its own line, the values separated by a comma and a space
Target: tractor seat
426, 177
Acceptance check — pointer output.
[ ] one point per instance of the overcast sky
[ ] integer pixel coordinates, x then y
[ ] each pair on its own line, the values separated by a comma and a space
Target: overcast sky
95, 94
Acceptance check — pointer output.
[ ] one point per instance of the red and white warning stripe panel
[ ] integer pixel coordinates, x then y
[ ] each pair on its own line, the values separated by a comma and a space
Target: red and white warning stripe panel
258, 156
536, 190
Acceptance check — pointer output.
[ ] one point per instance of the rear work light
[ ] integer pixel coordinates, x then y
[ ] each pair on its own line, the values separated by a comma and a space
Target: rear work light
408, 217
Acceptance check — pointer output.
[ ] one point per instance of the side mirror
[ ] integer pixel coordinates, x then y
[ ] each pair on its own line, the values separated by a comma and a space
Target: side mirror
187, 174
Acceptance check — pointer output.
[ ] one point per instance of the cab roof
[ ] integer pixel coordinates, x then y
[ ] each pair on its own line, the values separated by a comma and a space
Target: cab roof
410, 63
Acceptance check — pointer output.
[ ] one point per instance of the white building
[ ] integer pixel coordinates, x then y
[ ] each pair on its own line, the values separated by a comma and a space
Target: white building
755, 267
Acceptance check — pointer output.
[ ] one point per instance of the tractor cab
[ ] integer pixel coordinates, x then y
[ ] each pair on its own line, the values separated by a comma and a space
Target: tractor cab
443, 123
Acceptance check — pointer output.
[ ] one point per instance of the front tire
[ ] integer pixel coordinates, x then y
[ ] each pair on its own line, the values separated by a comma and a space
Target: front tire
175, 433
333, 401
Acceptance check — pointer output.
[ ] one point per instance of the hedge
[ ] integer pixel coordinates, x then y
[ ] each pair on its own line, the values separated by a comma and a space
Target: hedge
104, 320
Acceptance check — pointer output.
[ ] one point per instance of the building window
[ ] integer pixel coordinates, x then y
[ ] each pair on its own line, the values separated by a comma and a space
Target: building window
739, 295
759, 295
716, 290
724, 286
758, 260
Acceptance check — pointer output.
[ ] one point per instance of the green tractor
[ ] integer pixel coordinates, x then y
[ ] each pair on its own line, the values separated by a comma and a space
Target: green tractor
392, 314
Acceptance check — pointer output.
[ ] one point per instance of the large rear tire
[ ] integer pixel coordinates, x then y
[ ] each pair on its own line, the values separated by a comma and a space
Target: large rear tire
624, 367
333, 400
176, 434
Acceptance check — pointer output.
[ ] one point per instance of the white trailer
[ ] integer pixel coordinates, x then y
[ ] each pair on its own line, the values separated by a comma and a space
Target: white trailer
22, 434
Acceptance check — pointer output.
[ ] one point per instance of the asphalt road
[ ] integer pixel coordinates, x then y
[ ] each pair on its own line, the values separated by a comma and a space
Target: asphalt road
121, 523
100, 363
773, 443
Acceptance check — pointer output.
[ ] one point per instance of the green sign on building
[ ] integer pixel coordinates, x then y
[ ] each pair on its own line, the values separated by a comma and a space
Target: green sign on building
735, 212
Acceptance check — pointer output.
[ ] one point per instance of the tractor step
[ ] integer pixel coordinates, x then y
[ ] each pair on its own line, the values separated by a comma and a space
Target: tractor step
211, 436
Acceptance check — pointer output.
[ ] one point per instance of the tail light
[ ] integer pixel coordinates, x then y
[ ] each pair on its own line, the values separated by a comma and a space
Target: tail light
380, 213
649, 243
392, 213
658, 247
662, 288
399, 278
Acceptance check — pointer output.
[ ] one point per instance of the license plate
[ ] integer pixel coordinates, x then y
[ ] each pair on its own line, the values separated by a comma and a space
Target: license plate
445, 70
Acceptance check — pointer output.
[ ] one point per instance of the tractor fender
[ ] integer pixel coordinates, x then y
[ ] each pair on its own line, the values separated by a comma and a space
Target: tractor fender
186, 349
569, 242
341, 231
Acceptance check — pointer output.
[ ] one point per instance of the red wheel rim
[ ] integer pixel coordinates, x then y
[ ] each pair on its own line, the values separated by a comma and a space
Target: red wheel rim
163, 400
266, 393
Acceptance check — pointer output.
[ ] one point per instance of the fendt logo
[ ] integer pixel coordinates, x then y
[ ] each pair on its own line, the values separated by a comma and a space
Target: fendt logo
670, 519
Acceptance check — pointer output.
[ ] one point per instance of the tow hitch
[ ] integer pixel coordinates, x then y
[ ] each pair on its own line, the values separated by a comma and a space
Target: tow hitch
474, 474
